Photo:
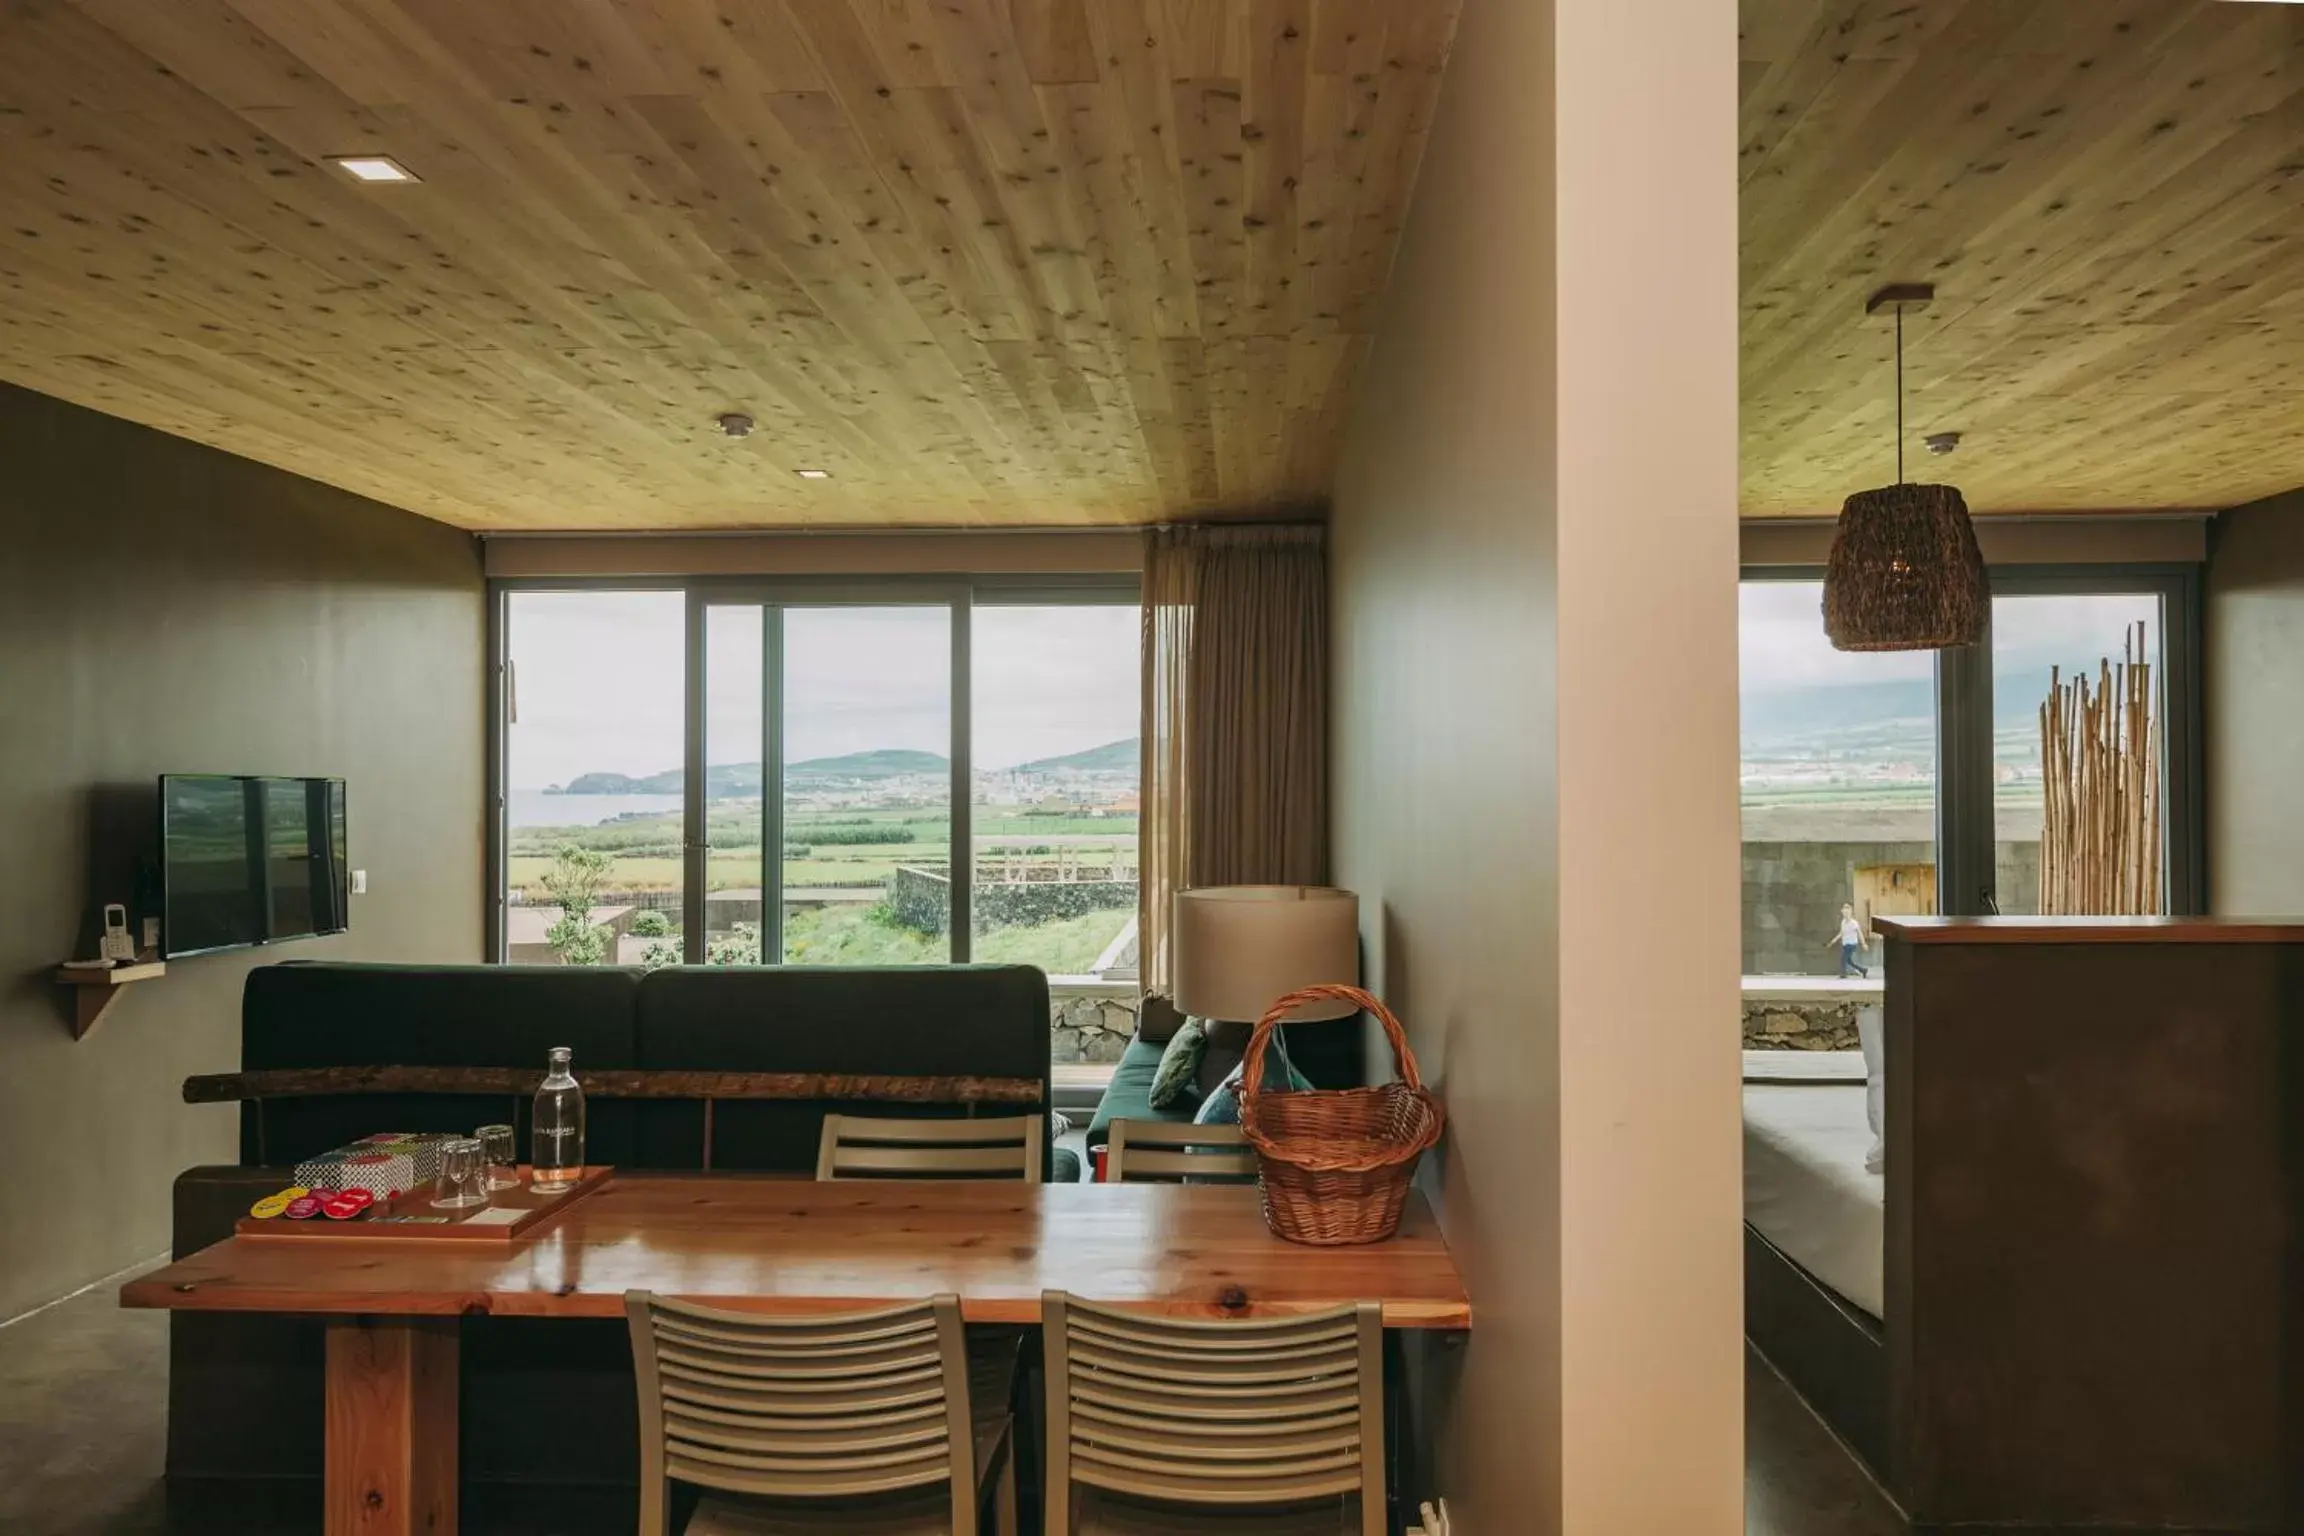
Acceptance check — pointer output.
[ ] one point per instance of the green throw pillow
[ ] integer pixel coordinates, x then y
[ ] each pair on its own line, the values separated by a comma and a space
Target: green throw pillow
1179, 1067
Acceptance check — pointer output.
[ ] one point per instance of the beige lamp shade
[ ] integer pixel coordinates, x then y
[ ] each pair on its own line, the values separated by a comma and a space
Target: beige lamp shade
1240, 948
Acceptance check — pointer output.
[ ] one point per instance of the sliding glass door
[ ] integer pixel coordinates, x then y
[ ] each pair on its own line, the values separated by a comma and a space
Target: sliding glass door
1057, 767
731, 865
900, 772
825, 794
2126, 641
1919, 781
588, 795
1838, 785
867, 754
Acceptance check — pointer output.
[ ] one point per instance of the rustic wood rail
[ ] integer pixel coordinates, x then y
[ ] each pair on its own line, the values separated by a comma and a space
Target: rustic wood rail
612, 1083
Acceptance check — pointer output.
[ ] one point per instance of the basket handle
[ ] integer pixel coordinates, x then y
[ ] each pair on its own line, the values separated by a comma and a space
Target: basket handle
1260, 1039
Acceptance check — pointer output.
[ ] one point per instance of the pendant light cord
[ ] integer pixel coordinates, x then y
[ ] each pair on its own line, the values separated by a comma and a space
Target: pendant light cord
1899, 394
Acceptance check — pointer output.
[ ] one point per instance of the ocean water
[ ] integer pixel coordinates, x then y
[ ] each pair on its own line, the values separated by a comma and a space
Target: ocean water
535, 808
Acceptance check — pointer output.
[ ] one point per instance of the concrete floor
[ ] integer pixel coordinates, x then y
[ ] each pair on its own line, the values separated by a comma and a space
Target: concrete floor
83, 1418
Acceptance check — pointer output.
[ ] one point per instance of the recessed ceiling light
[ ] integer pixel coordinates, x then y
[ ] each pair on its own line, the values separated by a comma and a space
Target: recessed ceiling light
815, 474
377, 168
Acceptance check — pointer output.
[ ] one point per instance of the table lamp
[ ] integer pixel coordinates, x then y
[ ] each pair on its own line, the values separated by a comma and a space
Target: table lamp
1240, 948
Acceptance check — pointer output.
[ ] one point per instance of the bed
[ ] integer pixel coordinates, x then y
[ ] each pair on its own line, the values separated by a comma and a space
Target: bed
2074, 1300
1806, 1189
1815, 1239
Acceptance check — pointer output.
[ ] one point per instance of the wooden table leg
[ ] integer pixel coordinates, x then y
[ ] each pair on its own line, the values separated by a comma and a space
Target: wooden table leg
391, 1426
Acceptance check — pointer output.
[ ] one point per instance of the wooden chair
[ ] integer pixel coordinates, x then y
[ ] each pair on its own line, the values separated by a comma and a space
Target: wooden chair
855, 1147
859, 1422
1157, 1424
1005, 1359
1141, 1151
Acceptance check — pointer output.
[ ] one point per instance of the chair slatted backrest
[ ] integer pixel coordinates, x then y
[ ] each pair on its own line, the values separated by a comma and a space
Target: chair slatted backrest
830, 1408
1261, 1412
1142, 1151
858, 1147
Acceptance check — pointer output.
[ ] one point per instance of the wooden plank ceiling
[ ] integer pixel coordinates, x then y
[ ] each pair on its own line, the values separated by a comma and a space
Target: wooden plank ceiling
2109, 197
984, 261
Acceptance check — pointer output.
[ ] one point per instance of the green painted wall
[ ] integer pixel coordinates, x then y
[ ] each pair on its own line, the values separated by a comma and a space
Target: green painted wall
168, 608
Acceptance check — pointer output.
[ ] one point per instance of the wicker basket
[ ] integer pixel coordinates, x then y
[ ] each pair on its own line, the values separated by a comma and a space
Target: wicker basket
1336, 1163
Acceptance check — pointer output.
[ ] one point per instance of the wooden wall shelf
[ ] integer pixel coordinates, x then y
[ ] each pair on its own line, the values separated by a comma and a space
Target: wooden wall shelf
95, 991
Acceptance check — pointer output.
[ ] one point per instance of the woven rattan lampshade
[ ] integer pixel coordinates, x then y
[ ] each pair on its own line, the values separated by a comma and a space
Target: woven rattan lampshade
1905, 573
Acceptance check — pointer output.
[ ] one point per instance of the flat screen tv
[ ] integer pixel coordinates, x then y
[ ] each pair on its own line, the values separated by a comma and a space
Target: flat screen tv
247, 860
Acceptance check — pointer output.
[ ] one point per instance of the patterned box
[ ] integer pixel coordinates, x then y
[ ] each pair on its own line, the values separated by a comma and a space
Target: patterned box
386, 1164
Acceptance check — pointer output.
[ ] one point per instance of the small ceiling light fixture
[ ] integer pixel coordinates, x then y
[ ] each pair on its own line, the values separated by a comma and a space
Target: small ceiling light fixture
376, 169
735, 424
1904, 573
1941, 443
815, 474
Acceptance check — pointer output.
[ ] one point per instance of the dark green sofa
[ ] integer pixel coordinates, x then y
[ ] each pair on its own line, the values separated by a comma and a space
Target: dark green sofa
1328, 1053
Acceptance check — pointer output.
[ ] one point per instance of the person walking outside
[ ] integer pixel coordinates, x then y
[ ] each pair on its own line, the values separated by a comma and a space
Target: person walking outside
1851, 942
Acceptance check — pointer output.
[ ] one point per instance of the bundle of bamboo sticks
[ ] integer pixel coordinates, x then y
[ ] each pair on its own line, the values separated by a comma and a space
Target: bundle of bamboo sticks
2100, 766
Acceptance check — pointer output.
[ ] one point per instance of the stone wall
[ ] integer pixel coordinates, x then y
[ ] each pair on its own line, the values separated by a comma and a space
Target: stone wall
1793, 892
1779, 1026
1089, 1027
921, 898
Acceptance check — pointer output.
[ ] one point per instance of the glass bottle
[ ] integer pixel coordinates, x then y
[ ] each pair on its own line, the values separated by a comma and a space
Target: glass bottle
557, 1135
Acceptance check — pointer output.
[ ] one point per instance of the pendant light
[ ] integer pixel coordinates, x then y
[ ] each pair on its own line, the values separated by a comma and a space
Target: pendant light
1905, 573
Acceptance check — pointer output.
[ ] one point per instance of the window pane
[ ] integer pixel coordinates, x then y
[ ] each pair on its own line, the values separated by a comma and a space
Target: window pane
733, 806
867, 785
1055, 756
592, 754
2075, 634
1839, 785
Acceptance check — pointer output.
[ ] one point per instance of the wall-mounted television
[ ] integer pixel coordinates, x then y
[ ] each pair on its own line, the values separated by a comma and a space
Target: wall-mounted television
248, 860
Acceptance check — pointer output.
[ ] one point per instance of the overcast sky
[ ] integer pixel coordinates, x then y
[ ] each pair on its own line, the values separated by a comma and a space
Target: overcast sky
1783, 644
600, 687
599, 680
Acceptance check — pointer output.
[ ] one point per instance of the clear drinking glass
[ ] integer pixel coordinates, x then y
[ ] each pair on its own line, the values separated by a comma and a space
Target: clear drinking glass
557, 1140
463, 1178
500, 1151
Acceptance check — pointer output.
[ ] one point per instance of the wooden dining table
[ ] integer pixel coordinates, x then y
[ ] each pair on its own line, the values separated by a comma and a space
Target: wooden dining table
768, 1245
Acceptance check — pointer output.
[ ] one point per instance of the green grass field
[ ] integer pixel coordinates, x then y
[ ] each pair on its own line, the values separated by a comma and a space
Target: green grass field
647, 852
853, 935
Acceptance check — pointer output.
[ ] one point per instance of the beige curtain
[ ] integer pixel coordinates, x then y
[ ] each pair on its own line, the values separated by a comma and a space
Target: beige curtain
1235, 718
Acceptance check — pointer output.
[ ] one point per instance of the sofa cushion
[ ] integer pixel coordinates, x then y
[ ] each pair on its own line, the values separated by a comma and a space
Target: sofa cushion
924, 1021
1326, 1054
1157, 1019
1129, 1095
321, 1014
1222, 1105
1175, 1080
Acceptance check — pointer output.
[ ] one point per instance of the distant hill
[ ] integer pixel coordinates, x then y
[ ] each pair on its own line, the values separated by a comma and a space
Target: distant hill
1893, 717
887, 763
1111, 757
725, 780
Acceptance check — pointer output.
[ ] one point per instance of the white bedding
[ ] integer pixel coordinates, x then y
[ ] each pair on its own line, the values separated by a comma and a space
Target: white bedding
1805, 1188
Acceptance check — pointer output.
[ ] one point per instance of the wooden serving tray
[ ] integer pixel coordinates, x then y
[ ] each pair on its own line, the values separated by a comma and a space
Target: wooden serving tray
411, 1217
